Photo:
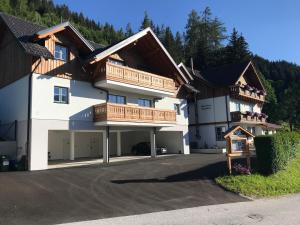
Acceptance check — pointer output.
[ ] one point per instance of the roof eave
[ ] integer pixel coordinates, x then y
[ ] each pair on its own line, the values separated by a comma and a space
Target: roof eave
130, 40
60, 27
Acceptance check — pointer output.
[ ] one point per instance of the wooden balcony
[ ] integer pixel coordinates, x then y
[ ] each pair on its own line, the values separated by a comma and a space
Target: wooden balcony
241, 93
246, 118
126, 113
139, 81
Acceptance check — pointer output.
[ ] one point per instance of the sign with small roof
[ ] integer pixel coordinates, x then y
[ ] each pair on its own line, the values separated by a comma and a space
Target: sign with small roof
237, 144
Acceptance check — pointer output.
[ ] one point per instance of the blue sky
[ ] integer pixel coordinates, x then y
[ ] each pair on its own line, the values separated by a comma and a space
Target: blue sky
271, 27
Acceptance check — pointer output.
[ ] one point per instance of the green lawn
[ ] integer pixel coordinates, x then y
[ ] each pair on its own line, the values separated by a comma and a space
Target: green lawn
284, 182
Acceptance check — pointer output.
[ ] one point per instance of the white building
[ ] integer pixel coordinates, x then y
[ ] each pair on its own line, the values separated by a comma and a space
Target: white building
228, 95
74, 99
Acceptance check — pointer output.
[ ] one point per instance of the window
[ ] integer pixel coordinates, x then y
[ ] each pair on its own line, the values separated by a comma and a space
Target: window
249, 108
61, 95
144, 102
235, 106
220, 133
61, 52
118, 99
177, 108
117, 62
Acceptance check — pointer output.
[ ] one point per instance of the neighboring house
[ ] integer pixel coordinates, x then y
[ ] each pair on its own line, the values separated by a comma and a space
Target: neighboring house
228, 95
73, 98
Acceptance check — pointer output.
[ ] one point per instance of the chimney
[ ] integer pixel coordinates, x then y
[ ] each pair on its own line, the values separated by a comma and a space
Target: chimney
192, 66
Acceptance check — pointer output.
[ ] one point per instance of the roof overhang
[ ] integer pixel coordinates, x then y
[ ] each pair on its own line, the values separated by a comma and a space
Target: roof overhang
232, 130
182, 66
132, 39
61, 27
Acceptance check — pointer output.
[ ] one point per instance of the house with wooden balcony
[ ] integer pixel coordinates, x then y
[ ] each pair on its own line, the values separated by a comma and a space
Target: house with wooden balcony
71, 98
228, 95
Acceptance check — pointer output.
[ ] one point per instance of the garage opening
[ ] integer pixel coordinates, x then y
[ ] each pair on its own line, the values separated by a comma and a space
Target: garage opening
171, 140
75, 148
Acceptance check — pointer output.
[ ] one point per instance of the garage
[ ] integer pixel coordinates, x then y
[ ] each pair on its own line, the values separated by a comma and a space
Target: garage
86, 145
74, 148
172, 140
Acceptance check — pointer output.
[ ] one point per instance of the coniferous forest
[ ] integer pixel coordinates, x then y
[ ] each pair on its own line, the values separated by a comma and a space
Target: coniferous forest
205, 39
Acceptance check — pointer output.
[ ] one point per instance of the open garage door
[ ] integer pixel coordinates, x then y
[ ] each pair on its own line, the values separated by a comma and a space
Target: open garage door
172, 140
86, 145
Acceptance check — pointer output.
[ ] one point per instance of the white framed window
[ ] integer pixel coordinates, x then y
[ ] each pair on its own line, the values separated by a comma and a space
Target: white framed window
61, 52
220, 133
61, 95
118, 99
144, 102
177, 108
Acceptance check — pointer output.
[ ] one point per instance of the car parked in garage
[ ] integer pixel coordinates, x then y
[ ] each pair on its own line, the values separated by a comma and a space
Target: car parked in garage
144, 148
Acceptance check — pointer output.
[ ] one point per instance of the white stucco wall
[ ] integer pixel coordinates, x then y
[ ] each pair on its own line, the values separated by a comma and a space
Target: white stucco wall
212, 110
82, 96
14, 106
207, 136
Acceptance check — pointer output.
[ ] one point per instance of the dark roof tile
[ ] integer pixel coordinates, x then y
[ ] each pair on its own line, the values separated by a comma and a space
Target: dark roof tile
24, 32
224, 75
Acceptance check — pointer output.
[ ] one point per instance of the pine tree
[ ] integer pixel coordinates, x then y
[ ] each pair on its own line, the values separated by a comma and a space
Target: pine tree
237, 49
128, 31
204, 36
147, 22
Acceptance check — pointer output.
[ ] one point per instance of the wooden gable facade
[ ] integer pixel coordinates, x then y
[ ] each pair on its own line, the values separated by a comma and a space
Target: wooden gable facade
71, 69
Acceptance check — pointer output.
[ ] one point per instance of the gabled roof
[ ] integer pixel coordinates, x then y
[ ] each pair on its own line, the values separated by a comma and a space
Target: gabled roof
183, 68
60, 27
233, 129
23, 32
103, 53
226, 75
28, 33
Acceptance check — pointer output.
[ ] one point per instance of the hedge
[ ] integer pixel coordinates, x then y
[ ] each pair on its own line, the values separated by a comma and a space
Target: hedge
273, 152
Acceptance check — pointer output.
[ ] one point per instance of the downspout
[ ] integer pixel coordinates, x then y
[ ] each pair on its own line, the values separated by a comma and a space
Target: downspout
28, 152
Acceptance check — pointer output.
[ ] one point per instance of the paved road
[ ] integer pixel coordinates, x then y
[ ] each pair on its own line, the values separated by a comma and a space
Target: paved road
283, 211
95, 192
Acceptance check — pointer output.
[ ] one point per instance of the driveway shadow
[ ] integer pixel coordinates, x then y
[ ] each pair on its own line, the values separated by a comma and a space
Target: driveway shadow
207, 172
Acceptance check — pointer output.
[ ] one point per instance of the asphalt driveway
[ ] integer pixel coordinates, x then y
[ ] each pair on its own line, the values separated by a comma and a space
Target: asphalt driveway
136, 187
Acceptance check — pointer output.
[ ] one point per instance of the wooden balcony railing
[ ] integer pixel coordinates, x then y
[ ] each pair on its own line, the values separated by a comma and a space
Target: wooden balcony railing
244, 94
110, 71
245, 117
127, 113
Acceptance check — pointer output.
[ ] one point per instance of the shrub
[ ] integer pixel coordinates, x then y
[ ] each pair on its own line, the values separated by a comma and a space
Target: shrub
273, 152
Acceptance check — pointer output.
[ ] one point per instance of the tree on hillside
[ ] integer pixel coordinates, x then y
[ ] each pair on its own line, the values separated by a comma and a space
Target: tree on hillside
237, 49
128, 31
291, 109
147, 22
204, 35
5, 6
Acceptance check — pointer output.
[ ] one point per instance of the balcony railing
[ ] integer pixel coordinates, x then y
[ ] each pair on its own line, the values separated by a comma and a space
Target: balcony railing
126, 113
123, 74
248, 117
245, 94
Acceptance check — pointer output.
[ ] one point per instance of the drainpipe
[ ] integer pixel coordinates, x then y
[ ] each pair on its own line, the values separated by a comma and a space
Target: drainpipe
226, 104
28, 152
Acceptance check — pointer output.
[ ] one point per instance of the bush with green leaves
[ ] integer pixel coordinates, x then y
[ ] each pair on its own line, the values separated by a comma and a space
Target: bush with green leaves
273, 152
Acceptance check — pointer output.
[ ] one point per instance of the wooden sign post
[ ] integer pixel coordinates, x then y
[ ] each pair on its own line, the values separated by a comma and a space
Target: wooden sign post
237, 145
